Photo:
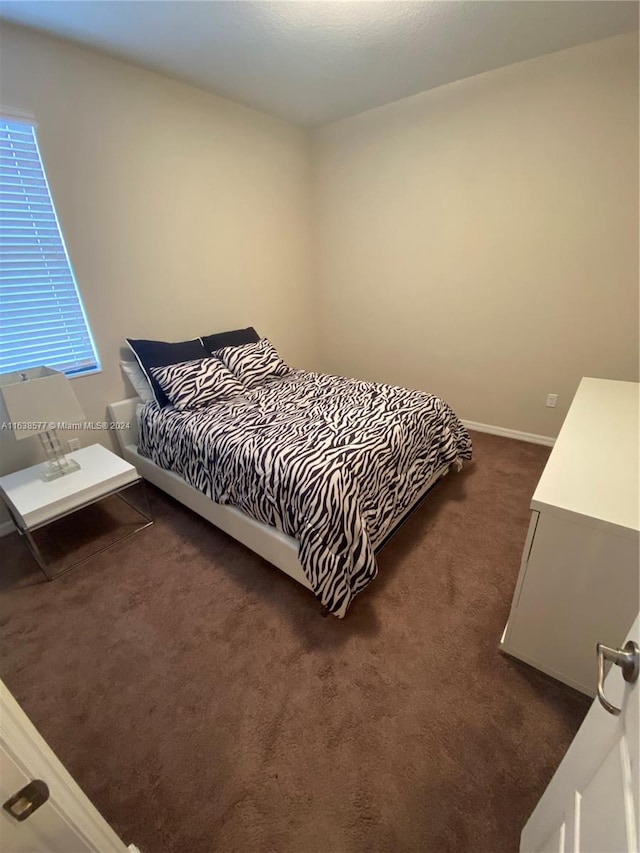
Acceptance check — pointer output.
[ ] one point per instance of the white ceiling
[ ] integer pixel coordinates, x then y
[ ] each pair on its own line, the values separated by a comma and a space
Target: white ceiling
315, 62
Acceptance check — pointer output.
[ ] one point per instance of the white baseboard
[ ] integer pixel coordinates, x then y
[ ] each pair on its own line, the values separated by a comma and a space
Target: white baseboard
511, 433
133, 849
6, 527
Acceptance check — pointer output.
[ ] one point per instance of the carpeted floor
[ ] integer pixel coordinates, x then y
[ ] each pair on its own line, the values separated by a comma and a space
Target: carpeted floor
202, 702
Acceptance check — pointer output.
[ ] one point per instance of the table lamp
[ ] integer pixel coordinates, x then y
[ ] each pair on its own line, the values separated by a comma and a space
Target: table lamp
38, 402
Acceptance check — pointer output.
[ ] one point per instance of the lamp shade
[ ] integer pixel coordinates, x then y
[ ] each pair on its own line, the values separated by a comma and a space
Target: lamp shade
39, 399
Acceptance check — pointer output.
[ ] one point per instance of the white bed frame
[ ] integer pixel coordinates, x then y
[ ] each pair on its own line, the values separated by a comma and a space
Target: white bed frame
274, 546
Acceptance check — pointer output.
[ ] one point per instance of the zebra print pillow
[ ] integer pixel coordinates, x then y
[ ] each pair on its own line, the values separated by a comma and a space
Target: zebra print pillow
196, 384
253, 363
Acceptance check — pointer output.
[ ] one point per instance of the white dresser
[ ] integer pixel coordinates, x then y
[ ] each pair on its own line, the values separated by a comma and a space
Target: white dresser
579, 576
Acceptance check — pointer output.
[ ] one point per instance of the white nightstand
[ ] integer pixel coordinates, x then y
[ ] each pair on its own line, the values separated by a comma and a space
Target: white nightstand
34, 502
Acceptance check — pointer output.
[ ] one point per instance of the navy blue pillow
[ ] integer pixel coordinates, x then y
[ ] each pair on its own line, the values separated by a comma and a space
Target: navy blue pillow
235, 338
160, 354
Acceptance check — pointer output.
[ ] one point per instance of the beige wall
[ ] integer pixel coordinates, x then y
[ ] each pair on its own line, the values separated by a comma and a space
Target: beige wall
183, 213
480, 240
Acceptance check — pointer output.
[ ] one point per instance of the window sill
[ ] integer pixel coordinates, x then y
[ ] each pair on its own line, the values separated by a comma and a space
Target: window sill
92, 372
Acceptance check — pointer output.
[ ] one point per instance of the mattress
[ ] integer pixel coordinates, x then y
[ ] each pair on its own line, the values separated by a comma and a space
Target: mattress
329, 461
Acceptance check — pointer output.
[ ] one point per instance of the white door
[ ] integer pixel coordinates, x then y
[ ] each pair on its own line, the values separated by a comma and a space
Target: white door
67, 822
591, 804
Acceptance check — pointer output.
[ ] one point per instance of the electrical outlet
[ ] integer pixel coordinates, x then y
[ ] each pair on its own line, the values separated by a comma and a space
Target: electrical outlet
552, 400
74, 444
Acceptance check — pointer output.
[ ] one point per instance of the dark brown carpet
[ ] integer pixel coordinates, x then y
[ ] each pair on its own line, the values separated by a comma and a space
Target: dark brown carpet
201, 701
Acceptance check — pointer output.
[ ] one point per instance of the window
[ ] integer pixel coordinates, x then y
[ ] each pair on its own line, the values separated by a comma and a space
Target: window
42, 319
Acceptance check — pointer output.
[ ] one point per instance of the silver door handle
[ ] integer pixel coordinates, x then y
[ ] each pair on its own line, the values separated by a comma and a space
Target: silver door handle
627, 659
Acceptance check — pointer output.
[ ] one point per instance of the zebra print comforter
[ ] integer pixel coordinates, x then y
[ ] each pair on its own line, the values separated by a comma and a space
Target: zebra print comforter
327, 460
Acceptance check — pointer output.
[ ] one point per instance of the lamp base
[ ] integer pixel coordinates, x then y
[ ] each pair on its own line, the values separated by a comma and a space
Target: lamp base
58, 465
56, 469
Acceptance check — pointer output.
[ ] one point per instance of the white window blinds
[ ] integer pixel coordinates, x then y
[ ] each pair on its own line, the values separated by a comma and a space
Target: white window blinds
42, 319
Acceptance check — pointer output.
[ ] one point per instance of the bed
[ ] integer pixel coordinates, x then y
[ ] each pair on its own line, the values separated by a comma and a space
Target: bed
312, 472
